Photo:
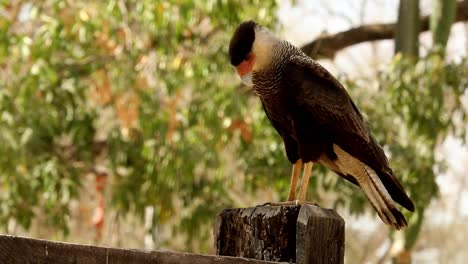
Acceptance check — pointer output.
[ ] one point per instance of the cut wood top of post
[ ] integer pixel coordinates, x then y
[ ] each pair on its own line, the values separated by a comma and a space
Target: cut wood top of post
312, 210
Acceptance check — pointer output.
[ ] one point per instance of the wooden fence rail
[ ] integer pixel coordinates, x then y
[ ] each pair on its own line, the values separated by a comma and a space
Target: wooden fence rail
294, 234
25, 250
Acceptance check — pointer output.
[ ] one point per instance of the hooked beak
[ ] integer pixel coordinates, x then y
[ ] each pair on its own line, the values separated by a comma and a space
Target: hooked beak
245, 70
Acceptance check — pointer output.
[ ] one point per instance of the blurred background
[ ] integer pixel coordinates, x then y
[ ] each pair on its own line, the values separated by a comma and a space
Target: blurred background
123, 124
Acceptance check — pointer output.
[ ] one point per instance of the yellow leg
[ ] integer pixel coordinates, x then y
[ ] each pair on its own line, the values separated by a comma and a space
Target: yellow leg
294, 177
305, 181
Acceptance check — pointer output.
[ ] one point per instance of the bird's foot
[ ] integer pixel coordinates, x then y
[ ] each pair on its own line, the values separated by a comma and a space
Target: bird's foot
290, 203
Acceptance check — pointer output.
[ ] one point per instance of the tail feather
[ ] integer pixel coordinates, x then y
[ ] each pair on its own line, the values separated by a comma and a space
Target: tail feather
396, 190
373, 187
382, 201
391, 183
376, 201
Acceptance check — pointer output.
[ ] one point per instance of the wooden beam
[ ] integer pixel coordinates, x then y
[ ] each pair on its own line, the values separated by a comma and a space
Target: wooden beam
25, 250
300, 234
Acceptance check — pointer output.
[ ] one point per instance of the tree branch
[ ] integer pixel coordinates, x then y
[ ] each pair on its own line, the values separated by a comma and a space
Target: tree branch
326, 46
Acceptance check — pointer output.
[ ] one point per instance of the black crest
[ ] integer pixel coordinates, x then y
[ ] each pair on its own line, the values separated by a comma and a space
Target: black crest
241, 42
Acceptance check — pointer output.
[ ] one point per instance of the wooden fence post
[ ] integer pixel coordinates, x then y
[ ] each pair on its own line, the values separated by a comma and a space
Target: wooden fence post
301, 234
320, 236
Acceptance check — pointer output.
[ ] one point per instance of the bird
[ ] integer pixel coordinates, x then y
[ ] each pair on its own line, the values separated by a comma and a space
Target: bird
316, 119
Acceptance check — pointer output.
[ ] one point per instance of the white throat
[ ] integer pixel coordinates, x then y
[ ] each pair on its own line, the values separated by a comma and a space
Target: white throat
247, 79
263, 47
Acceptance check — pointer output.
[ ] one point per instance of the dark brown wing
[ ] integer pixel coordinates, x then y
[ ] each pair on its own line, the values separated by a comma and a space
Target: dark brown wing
289, 143
330, 106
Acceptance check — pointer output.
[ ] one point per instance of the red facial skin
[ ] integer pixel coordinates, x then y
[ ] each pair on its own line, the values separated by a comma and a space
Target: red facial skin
246, 66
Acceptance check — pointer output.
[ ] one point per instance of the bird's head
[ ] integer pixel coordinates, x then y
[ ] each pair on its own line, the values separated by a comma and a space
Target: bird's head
251, 49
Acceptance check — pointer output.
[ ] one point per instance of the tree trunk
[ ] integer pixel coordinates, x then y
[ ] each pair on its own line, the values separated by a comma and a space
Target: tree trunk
442, 17
407, 28
327, 45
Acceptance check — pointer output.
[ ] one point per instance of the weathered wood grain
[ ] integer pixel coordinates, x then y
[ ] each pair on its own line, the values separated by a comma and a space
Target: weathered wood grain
302, 234
262, 232
320, 236
25, 250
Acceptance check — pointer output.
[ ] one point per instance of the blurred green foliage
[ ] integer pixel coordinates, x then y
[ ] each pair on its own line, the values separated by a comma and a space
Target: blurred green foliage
144, 90
141, 88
